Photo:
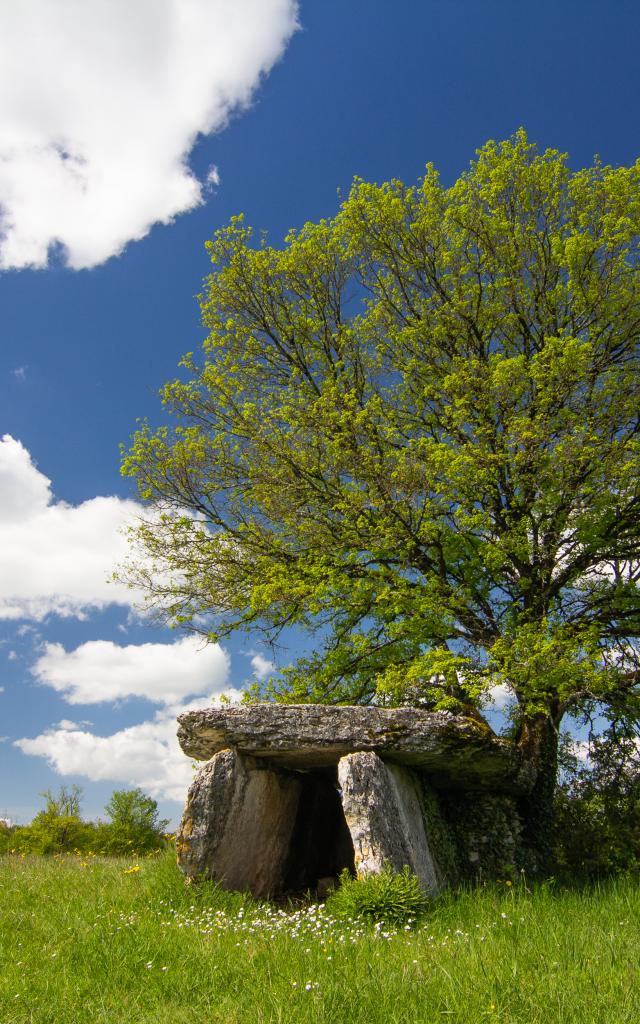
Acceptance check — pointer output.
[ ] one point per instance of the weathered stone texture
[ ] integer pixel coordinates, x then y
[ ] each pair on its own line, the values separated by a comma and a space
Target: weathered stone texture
384, 812
487, 831
310, 790
453, 749
237, 823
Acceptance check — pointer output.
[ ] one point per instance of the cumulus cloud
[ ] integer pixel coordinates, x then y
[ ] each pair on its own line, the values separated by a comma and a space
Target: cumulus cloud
23, 488
261, 666
56, 557
104, 671
500, 697
101, 102
146, 755
68, 725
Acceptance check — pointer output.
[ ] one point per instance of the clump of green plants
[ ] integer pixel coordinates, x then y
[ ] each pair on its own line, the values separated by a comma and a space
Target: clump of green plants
390, 896
598, 808
135, 827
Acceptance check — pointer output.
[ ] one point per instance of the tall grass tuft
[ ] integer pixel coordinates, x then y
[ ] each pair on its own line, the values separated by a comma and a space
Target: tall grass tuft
390, 897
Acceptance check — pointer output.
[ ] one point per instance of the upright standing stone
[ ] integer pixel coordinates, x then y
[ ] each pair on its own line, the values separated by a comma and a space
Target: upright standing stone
237, 823
384, 811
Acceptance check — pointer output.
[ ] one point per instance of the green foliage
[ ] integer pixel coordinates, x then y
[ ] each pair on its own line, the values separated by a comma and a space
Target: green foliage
63, 804
413, 432
487, 830
62, 834
135, 823
444, 842
58, 829
130, 807
598, 810
390, 897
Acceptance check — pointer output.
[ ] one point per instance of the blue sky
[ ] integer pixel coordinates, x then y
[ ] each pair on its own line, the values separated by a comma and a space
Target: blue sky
129, 132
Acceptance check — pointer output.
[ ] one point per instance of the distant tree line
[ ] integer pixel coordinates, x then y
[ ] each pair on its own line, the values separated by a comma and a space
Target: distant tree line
597, 804
134, 826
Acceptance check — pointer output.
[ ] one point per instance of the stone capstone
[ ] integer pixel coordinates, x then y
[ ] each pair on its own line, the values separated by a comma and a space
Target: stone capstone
457, 750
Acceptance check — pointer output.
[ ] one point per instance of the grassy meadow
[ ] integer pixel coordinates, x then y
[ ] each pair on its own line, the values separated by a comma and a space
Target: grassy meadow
127, 942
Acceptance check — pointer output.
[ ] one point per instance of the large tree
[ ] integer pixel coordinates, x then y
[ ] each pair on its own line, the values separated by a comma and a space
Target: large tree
414, 430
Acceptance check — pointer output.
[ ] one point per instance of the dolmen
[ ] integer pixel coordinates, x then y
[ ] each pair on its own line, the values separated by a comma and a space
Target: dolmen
292, 795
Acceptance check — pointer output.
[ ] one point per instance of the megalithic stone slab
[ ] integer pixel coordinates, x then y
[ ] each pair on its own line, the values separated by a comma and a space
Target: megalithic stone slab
237, 823
384, 812
452, 749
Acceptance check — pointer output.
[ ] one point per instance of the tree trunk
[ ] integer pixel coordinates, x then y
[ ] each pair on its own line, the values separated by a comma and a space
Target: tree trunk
538, 740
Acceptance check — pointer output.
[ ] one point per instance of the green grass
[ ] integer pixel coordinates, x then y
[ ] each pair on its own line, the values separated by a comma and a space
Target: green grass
96, 943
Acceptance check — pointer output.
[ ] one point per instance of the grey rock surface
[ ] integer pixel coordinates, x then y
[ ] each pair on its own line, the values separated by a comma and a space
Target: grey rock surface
385, 816
452, 749
237, 823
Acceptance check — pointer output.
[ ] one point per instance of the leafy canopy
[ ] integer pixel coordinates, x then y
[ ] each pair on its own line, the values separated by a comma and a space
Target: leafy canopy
66, 803
413, 431
131, 808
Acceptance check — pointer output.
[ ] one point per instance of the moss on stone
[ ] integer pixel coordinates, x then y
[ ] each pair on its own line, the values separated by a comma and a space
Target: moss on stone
472, 836
440, 836
487, 833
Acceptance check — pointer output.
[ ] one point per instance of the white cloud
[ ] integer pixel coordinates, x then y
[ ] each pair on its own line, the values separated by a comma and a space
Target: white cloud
163, 673
500, 697
581, 750
145, 755
23, 488
56, 557
213, 177
261, 666
69, 726
101, 102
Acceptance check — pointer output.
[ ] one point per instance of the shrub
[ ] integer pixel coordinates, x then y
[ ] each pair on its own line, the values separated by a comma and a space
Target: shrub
598, 810
63, 834
6, 837
135, 827
58, 828
135, 823
392, 897
116, 840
